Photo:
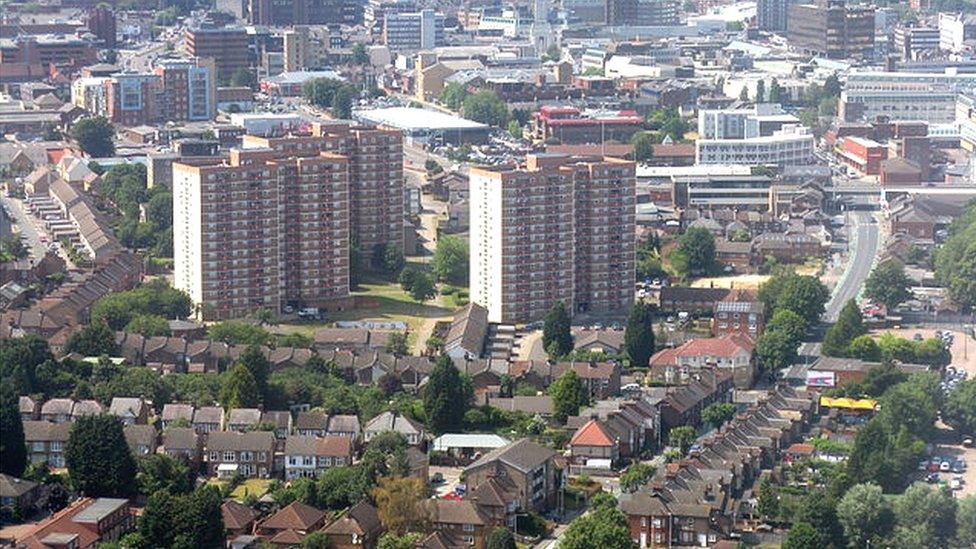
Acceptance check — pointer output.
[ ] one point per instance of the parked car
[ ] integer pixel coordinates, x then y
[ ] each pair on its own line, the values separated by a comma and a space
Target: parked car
932, 478
945, 467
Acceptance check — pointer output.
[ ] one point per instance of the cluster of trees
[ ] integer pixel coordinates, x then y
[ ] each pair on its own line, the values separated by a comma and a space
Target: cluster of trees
604, 526
955, 260
450, 261
420, 284
792, 302
95, 135
12, 247
820, 104
144, 309
125, 186
849, 338
237, 332
695, 253
888, 284
329, 93
649, 259
923, 516
484, 106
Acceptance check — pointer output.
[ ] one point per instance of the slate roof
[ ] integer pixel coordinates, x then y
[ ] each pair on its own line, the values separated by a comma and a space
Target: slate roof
522, 454
259, 441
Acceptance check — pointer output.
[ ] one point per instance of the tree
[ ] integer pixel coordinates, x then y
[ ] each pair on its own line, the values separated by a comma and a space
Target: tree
966, 521
257, 363
932, 511
639, 335
775, 350
788, 322
321, 91
697, 249
447, 397
718, 413
393, 260
239, 389
400, 504
761, 91
864, 348
95, 135
643, 144
158, 520
832, 87
912, 405
501, 538
13, 451
848, 326
515, 129
159, 211
888, 284
96, 339
775, 92
804, 295
341, 103
200, 521
148, 325
397, 344
568, 395
604, 527
453, 95
955, 260
803, 536
450, 261
422, 287
744, 93
636, 476
162, 472
557, 339
486, 107
316, 540
19, 358
865, 515
820, 512
959, 410
13, 244
390, 540
235, 332
243, 78
767, 504
359, 55
98, 459
682, 438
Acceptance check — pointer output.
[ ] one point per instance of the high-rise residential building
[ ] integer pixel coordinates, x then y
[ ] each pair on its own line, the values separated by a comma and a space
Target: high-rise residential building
132, 99
832, 29
101, 22
272, 225
559, 229
333, 13
423, 30
295, 46
772, 15
262, 230
229, 47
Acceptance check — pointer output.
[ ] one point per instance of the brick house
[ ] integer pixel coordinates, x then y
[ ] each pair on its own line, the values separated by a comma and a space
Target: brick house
530, 467
359, 527
310, 456
46, 442
593, 441
250, 454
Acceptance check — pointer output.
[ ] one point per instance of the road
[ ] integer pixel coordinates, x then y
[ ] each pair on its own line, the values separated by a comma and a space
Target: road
863, 249
29, 232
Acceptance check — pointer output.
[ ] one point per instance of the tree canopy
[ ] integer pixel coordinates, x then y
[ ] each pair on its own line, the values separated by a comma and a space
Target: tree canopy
486, 107
568, 395
98, 458
450, 261
95, 135
695, 253
13, 450
955, 260
848, 326
447, 397
959, 410
639, 334
804, 295
557, 338
888, 284
604, 527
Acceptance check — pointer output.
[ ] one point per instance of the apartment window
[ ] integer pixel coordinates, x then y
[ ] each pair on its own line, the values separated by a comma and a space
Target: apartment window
229, 456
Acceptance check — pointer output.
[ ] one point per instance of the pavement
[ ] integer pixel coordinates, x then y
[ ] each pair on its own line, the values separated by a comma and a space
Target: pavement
865, 242
24, 222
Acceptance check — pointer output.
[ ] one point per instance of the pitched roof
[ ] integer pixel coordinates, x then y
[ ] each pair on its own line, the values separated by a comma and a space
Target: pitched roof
360, 519
261, 441
46, 431
13, 487
208, 414
180, 438
591, 434
237, 516
522, 454
468, 329
299, 445
175, 411
296, 516
392, 421
447, 511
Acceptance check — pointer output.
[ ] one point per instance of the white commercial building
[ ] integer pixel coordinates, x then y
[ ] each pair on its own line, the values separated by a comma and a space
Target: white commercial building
790, 146
928, 97
414, 31
955, 29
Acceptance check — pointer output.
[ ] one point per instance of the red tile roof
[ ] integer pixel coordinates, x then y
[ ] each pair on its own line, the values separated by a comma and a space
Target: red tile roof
591, 434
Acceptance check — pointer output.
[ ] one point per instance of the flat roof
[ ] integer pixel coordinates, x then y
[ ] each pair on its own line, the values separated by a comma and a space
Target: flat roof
468, 440
99, 509
408, 118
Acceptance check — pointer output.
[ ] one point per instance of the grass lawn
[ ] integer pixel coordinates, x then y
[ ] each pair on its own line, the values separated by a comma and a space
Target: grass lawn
388, 302
256, 486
